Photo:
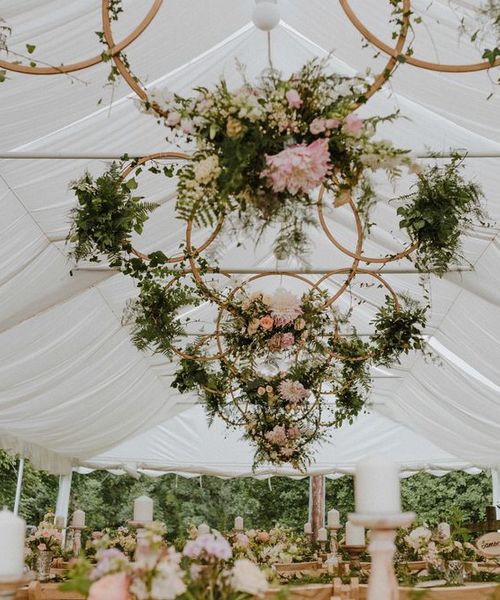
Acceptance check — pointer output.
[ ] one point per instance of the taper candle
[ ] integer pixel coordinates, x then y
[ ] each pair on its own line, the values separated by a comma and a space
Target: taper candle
308, 529
12, 530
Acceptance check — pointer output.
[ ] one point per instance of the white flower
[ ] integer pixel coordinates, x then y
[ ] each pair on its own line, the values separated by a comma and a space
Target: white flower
139, 589
247, 577
285, 306
168, 583
206, 169
418, 537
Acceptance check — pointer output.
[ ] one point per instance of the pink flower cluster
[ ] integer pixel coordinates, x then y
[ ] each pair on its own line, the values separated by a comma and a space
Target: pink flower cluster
208, 546
299, 168
281, 341
282, 436
285, 307
293, 391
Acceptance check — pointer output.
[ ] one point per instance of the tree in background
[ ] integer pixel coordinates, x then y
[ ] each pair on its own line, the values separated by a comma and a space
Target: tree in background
108, 499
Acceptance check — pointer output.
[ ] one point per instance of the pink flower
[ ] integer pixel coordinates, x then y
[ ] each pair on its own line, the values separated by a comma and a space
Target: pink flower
277, 435
287, 451
242, 540
42, 547
332, 123
287, 340
317, 126
354, 124
266, 322
294, 99
293, 433
293, 391
187, 126
285, 307
263, 537
173, 119
209, 546
298, 168
111, 587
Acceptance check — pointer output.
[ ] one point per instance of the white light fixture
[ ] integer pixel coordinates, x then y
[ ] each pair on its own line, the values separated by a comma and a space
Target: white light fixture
266, 15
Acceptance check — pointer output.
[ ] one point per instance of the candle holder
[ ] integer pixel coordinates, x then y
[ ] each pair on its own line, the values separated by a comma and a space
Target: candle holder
76, 544
10, 586
382, 583
140, 529
355, 553
334, 544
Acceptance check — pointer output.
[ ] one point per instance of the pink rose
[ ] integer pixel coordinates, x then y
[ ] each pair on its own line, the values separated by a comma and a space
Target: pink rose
263, 536
294, 99
332, 123
266, 322
317, 126
287, 340
187, 126
354, 124
42, 547
111, 587
242, 540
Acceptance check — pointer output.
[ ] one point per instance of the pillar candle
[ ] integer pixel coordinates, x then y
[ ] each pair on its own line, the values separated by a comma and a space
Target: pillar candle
143, 509
308, 529
78, 519
203, 529
354, 534
444, 531
322, 535
333, 518
60, 522
377, 486
238, 523
12, 529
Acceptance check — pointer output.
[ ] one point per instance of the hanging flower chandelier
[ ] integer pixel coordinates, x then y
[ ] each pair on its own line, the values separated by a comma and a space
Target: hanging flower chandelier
283, 363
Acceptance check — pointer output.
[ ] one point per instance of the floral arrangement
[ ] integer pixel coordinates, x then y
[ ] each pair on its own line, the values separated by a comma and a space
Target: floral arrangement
204, 570
45, 538
279, 545
121, 539
262, 149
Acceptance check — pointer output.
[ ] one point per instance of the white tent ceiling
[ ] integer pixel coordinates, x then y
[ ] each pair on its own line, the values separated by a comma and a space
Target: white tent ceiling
72, 385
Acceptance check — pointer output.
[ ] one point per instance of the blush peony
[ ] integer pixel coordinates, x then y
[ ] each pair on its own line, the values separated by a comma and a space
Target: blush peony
299, 168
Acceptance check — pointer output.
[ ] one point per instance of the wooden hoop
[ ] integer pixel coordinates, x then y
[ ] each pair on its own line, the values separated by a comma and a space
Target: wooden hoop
409, 59
114, 49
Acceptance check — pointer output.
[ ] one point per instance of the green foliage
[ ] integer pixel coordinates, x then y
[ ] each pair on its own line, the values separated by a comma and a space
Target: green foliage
443, 206
398, 331
106, 215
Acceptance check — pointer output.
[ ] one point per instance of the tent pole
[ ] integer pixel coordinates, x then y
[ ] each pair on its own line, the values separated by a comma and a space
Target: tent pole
19, 486
316, 503
495, 480
62, 505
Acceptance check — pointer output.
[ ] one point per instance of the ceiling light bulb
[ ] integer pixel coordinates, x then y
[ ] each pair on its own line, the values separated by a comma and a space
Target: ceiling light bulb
266, 15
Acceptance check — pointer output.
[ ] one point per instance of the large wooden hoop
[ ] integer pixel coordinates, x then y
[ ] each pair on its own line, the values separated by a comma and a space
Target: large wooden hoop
410, 59
114, 50
169, 156
357, 255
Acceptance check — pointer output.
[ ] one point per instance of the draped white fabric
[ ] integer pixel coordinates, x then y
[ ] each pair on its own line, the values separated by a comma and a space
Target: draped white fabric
72, 385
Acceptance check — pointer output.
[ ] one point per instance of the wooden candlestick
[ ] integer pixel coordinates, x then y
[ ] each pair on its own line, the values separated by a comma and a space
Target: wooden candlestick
355, 553
382, 584
76, 545
334, 544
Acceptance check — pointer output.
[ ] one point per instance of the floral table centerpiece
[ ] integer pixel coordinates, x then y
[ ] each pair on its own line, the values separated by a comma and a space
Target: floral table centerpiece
43, 545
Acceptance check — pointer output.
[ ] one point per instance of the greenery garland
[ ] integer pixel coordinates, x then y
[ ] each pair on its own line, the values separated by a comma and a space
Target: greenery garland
442, 207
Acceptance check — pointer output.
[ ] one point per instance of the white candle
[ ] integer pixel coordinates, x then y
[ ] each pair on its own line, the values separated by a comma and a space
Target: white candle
238, 523
78, 519
333, 518
308, 529
203, 529
444, 531
322, 535
60, 522
354, 534
377, 486
12, 529
143, 509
